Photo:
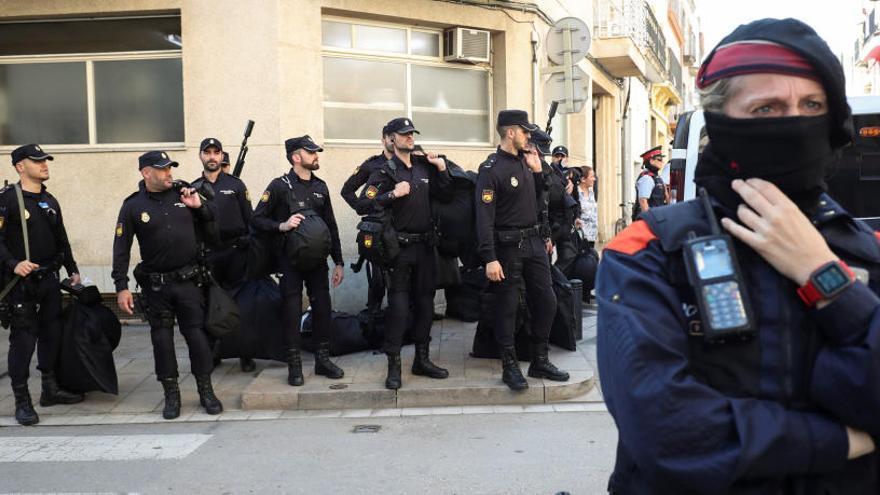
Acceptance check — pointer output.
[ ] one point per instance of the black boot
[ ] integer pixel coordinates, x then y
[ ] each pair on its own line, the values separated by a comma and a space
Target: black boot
512, 375
172, 398
52, 393
392, 382
541, 366
294, 368
247, 364
323, 365
423, 366
24, 410
207, 398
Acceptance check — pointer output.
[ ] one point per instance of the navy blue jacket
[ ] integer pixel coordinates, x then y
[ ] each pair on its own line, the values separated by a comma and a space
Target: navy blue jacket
764, 416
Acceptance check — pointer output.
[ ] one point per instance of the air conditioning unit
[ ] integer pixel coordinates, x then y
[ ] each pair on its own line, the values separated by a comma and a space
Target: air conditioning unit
465, 45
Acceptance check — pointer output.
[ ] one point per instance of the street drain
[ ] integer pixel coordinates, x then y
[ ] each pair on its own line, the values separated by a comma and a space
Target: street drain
338, 386
366, 429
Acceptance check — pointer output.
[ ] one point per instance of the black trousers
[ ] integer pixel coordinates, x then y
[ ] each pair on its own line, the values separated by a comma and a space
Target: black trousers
228, 265
184, 301
375, 288
411, 277
317, 283
41, 330
526, 265
566, 254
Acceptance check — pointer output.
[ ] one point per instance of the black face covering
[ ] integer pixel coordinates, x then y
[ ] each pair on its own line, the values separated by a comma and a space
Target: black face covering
793, 153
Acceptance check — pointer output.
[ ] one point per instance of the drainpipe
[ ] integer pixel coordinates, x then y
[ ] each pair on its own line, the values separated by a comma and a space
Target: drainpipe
536, 77
626, 155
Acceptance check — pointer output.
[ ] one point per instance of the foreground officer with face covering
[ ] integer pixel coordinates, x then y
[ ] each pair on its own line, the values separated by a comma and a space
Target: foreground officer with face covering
793, 409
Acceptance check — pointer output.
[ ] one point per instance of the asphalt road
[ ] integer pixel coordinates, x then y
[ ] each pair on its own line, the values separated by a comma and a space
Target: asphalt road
527, 453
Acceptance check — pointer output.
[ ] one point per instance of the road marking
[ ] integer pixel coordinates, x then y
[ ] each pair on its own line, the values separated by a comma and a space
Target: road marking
99, 448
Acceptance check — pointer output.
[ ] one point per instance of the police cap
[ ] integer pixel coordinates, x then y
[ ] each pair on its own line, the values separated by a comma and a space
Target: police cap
651, 153
401, 125
542, 140
32, 151
302, 142
208, 142
516, 117
225, 159
560, 150
155, 159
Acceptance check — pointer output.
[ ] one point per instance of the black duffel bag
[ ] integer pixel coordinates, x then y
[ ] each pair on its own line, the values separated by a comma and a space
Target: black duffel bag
485, 345
222, 315
567, 324
346, 335
463, 301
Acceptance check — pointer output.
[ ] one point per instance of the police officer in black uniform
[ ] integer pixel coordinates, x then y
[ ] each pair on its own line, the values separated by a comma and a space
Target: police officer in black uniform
168, 224
560, 157
512, 245
224, 163
233, 207
34, 299
368, 208
650, 189
234, 211
562, 209
282, 208
404, 185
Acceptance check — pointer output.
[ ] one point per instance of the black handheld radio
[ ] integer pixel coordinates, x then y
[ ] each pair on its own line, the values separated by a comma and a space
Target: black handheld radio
715, 275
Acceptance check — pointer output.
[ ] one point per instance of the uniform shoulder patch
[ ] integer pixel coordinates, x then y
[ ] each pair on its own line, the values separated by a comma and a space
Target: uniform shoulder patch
488, 195
265, 197
119, 229
371, 192
877, 235
633, 239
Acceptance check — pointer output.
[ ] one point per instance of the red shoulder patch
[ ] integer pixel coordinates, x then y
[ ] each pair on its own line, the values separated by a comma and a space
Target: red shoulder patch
877, 235
633, 239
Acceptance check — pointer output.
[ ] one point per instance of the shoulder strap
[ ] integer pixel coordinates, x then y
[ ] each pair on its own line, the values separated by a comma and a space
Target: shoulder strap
392, 170
21, 213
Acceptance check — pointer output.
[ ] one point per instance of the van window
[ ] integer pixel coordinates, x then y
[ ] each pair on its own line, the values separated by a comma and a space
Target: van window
856, 183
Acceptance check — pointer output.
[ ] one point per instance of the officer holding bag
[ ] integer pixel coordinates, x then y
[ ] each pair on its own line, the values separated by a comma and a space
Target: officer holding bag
33, 247
296, 208
168, 222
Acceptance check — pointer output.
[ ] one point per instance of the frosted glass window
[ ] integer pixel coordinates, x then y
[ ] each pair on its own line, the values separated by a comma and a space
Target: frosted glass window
139, 101
380, 39
425, 44
356, 123
452, 127
442, 88
43, 103
336, 34
364, 81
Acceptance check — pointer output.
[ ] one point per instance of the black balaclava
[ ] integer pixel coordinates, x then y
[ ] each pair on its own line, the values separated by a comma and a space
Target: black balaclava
795, 153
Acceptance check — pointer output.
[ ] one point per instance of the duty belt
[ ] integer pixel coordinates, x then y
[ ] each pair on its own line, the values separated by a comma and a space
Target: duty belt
406, 238
189, 272
534, 231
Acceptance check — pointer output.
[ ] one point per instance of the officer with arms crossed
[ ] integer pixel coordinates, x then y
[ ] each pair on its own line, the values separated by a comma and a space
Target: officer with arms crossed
168, 225
509, 186
296, 207
35, 299
366, 207
232, 204
404, 185
749, 363
650, 190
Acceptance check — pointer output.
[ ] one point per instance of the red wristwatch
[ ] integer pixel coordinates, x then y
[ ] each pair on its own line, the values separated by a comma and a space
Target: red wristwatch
826, 282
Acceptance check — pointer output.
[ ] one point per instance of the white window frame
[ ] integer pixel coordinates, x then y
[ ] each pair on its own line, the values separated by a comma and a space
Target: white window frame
89, 59
408, 60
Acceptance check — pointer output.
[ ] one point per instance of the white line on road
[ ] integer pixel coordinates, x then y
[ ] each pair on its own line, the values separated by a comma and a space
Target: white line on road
99, 447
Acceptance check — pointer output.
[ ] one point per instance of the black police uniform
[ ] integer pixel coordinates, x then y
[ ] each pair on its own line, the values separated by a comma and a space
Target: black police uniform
413, 271
228, 261
284, 196
167, 236
508, 231
39, 291
367, 207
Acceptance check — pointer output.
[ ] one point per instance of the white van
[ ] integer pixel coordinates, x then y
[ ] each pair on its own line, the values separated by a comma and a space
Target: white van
855, 184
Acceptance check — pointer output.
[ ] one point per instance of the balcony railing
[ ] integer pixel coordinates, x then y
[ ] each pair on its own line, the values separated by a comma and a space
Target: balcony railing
633, 19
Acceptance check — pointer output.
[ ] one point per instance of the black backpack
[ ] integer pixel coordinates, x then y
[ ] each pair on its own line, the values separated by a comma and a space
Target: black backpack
455, 215
308, 245
376, 238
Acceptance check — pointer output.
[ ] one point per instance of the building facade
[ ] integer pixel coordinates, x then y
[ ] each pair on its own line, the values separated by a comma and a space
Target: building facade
98, 83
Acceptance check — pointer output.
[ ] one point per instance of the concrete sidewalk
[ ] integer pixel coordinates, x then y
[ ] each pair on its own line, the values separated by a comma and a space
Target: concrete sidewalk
264, 392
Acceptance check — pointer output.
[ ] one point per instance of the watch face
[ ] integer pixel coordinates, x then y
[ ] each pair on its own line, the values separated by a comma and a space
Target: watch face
830, 279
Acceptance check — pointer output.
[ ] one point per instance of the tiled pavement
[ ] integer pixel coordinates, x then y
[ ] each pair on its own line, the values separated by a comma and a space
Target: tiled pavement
474, 386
